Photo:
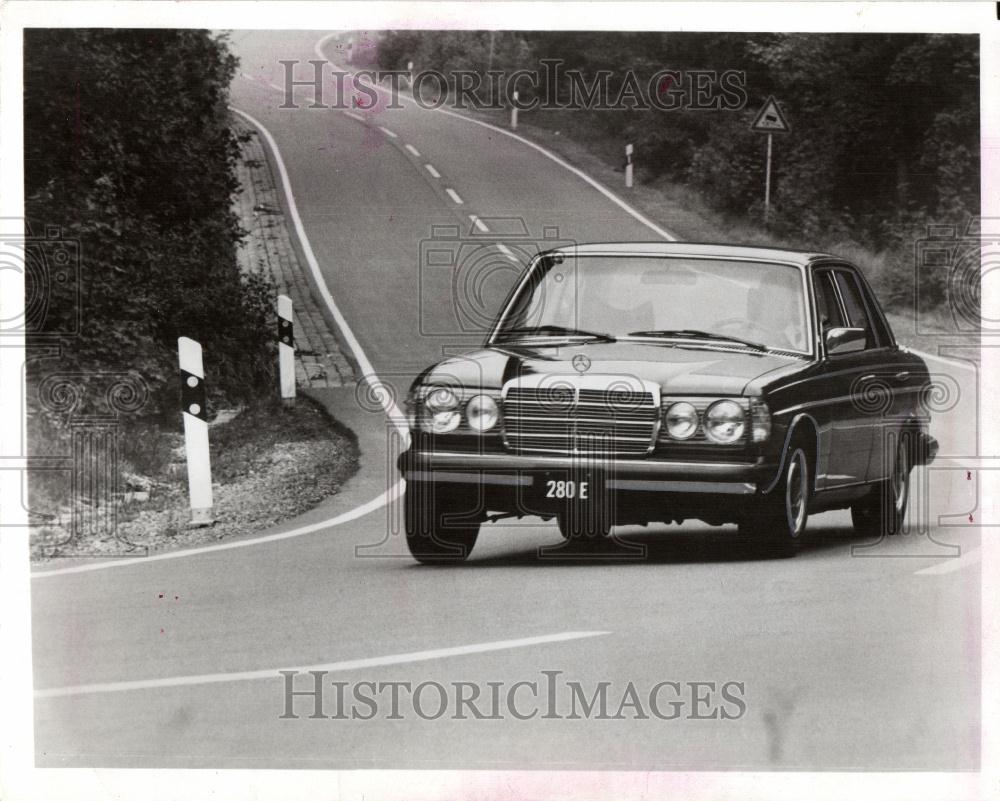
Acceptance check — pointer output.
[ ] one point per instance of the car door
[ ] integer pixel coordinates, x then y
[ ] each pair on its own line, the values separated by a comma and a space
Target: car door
876, 387
842, 415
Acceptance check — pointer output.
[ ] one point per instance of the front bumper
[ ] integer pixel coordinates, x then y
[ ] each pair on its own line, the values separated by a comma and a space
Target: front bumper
632, 475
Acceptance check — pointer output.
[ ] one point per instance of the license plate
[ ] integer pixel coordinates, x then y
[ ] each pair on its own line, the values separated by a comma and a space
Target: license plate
567, 490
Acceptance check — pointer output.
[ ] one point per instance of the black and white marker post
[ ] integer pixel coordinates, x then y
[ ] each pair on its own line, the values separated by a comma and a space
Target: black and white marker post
629, 150
199, 464
513, 113
286, 349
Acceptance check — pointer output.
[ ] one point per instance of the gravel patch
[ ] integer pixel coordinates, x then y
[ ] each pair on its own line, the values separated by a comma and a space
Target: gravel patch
270, 463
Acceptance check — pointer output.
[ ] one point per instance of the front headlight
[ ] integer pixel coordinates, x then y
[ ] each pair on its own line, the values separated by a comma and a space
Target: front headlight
482, 413
681, 420
725, 422
442, 415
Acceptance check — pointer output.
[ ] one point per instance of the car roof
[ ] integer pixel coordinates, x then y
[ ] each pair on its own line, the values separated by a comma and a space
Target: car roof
701, 249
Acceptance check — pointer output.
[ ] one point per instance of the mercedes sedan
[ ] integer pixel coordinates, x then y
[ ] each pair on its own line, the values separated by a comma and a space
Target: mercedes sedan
661, 382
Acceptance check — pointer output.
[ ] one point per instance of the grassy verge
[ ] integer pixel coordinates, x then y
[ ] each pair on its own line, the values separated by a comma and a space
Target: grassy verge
269, 463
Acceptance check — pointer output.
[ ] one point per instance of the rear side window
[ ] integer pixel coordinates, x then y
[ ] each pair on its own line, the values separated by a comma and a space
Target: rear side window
879, 323
827, 307
854, 302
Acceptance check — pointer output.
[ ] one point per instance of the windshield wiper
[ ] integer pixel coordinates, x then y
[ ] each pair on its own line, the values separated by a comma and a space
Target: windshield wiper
694, 333
558, 330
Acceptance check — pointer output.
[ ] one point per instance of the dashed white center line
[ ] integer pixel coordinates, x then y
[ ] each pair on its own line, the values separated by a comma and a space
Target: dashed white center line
454, 196
354, 116
480, 225
506, 251
951, 565
387, 132
332, 667
413, 151
432, 171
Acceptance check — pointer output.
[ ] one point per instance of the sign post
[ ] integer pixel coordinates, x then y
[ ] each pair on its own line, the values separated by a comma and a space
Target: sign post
286, 349
769, 120
199, 465
629, 150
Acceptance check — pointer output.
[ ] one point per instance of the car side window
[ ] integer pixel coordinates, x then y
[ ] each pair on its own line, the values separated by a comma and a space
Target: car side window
827, 305
879, 323
857, 314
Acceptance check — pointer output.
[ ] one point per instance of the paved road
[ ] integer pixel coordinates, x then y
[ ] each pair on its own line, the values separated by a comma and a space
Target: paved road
852, 656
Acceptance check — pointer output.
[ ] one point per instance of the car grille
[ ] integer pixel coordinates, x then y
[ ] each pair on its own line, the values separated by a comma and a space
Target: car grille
581, 414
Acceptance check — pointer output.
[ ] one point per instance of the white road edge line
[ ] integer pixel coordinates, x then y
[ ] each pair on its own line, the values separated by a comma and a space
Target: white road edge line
413, 151
951, 565
432, 171
635, 213
360, 511
480, 225
354, 116
387, 132
392, 411
454, 196
331, 667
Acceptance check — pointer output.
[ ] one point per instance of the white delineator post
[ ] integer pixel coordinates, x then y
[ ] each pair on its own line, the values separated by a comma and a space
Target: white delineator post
628, 165
513, 114
767, 182
286, 349
409, 69
199, 464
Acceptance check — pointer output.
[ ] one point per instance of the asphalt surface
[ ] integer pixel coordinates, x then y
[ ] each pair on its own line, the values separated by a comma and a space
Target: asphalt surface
854, 655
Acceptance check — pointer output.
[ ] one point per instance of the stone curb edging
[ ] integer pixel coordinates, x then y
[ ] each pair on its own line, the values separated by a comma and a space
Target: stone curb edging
320, 361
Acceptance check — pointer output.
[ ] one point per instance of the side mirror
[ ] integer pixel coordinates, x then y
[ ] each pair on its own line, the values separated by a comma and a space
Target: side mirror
845, 340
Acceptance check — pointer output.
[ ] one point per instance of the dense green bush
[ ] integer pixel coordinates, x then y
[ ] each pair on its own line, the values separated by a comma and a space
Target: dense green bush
129, 152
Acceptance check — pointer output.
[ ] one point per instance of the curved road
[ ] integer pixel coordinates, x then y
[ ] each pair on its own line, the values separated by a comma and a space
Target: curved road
852, 656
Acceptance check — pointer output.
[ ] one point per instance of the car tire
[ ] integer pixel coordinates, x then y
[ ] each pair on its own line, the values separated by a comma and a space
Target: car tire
436, 534
883, 510
777, 523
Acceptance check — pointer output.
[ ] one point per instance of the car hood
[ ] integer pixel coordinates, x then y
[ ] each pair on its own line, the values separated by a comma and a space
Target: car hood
678, 369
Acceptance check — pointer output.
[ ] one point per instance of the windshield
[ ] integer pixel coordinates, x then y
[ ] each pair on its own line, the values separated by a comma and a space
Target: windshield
639, 297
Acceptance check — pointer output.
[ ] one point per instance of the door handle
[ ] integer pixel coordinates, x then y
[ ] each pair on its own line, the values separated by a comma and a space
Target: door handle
903, 376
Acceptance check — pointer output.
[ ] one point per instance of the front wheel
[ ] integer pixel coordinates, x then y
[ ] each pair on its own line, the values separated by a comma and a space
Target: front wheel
883, 510
438, 528
779, 520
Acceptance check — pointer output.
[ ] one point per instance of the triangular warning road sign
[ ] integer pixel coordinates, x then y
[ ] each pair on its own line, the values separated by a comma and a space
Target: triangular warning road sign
770, 119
